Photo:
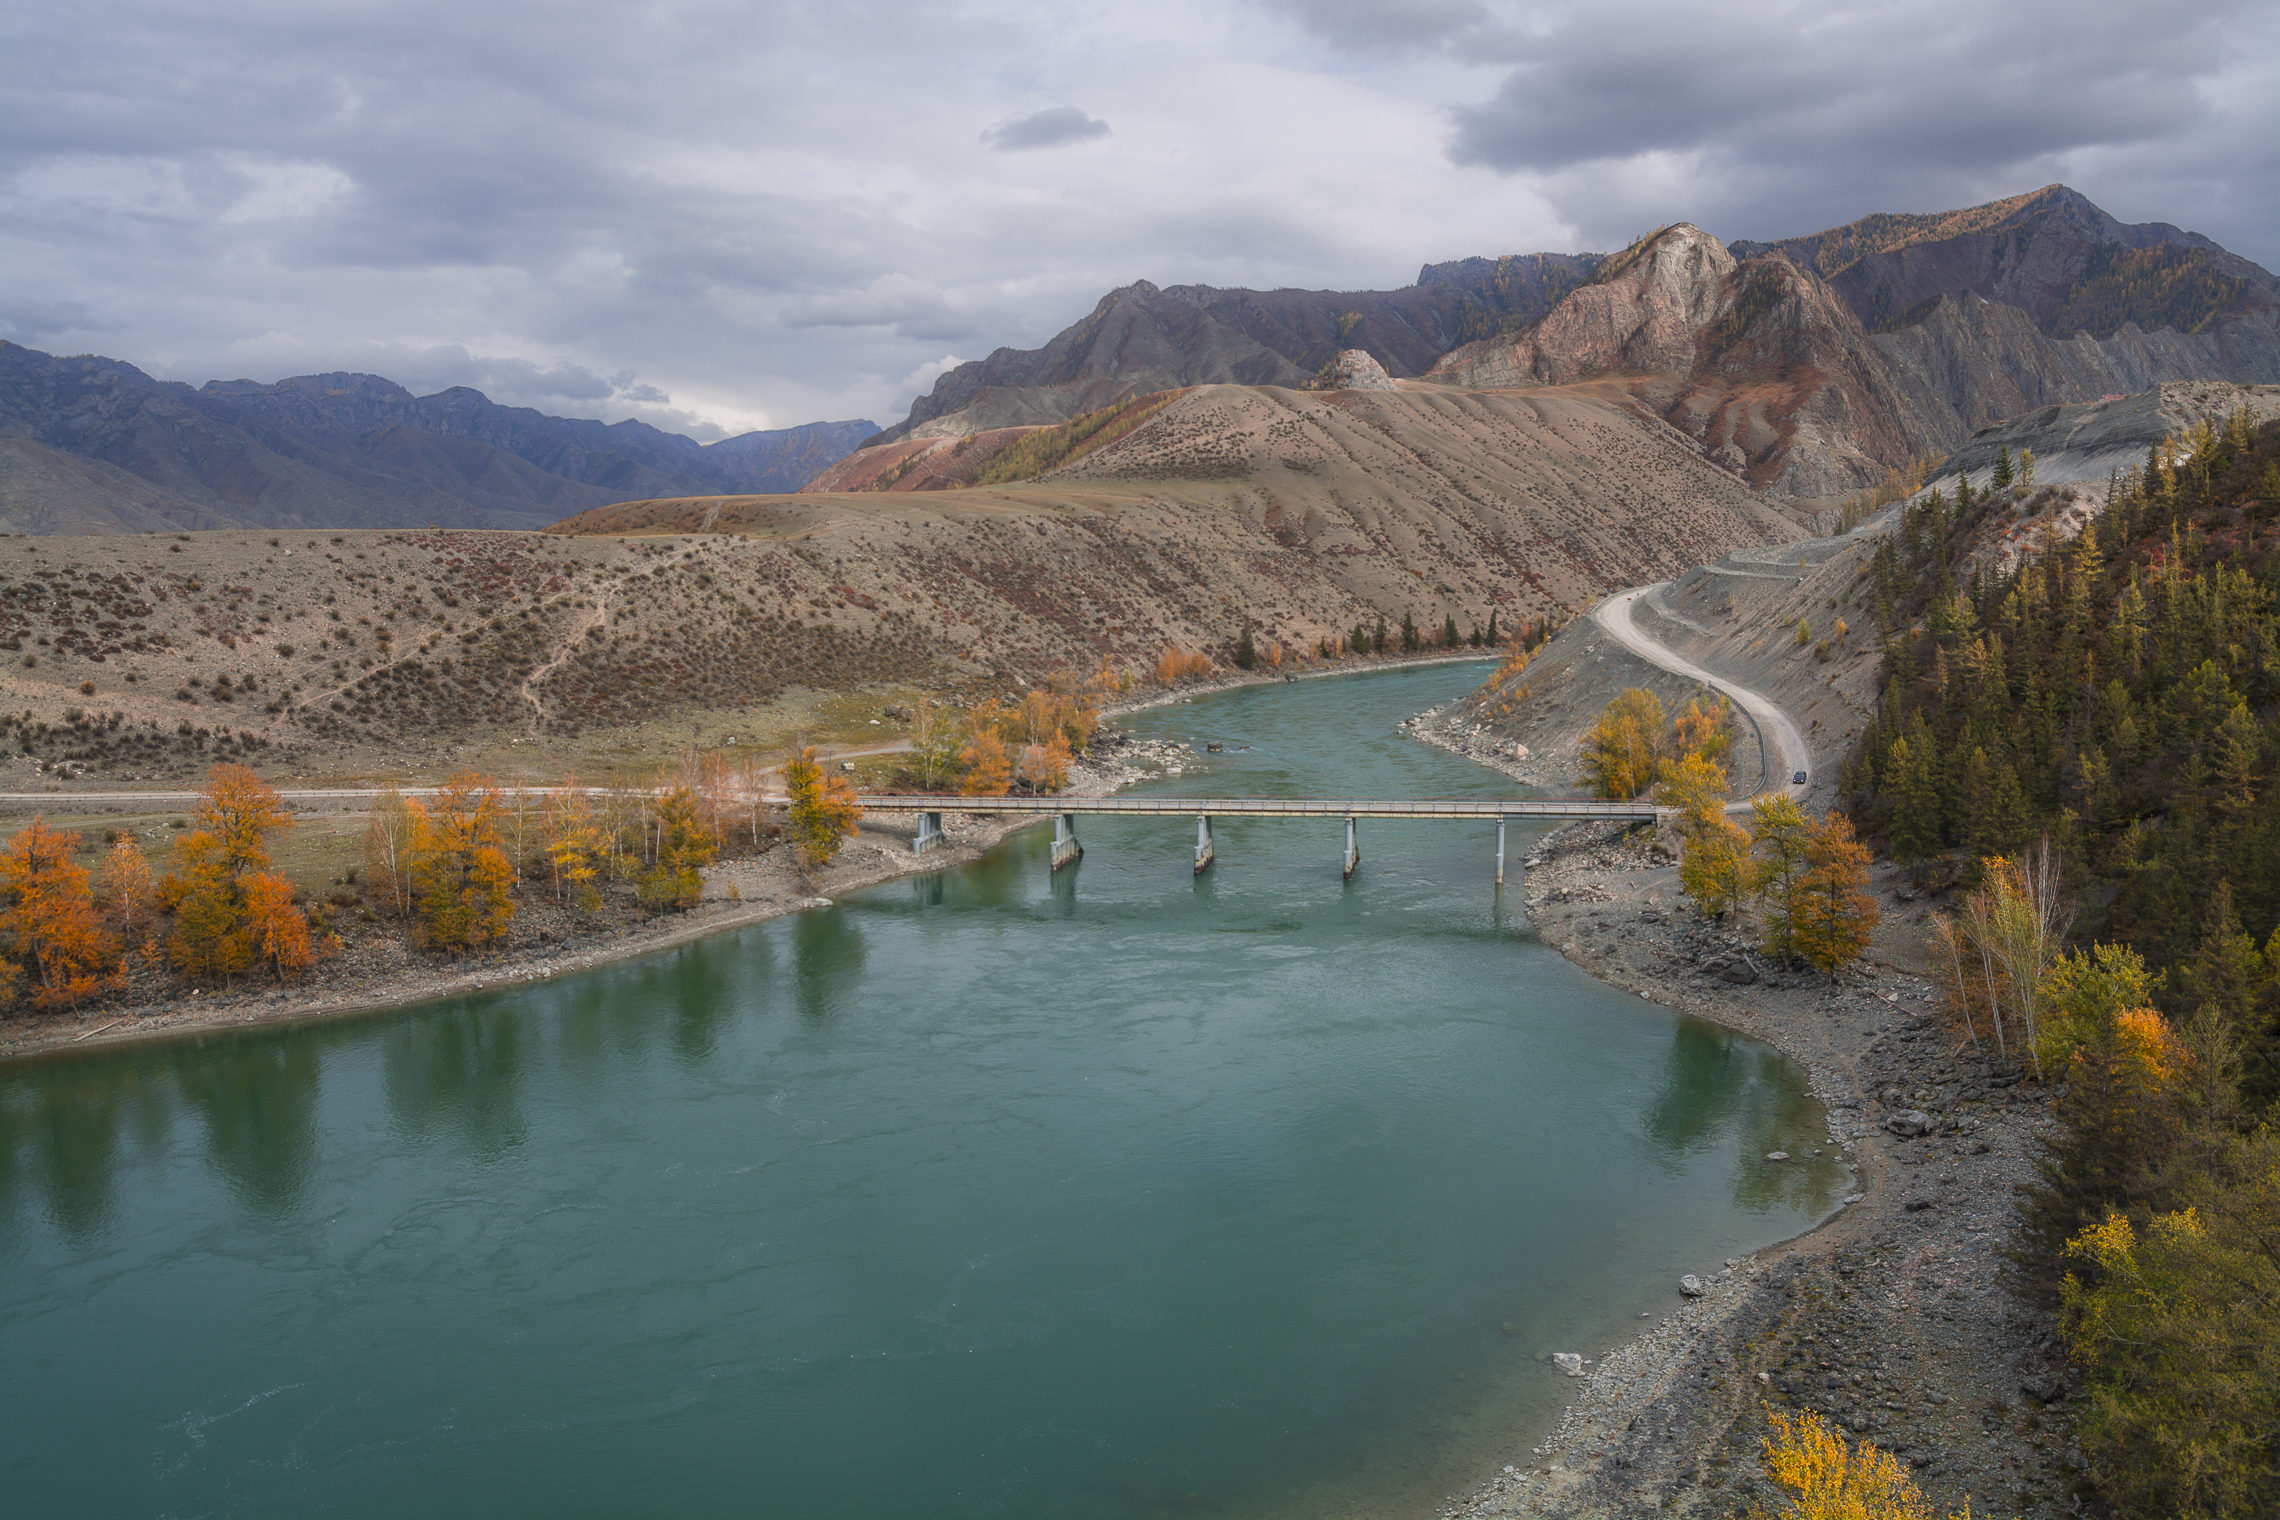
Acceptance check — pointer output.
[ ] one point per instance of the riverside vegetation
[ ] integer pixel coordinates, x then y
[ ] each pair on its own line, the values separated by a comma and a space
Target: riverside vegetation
2074, 753
2077, 752
1809, 877
446, 872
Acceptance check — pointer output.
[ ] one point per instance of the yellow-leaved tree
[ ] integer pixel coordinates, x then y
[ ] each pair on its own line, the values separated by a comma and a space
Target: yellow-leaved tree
221, 872
462, 881
1703, 728
2176, 1323
989, 770
572, 840
1713, 864
684, 846
1830, 1480
1621, 752
127, 886
1783, 834
823, 813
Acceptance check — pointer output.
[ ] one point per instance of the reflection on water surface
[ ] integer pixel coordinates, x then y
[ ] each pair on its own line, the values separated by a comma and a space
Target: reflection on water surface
985, 1194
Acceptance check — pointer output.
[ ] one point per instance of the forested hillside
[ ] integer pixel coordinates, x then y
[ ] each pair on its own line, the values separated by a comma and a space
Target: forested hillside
2116, 692
2121, 696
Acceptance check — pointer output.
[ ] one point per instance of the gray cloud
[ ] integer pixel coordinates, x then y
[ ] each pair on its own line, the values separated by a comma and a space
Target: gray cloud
719, 214
1404, 24
1775, 121
1053, 127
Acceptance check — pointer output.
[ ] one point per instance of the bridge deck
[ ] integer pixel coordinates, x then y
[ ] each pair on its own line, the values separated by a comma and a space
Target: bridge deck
1269, 807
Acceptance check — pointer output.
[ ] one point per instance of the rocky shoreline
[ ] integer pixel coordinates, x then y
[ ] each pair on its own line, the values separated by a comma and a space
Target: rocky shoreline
380, 972
1893, 1316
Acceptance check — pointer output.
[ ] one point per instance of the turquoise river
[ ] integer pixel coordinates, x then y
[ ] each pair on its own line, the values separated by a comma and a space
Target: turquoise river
988, 1193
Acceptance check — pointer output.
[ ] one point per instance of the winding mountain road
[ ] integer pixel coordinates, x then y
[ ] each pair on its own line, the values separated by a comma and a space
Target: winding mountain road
1776, 733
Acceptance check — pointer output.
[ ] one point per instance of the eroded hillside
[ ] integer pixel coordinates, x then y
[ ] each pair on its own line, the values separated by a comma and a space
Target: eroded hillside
1739, 616
634, 629
1305, 513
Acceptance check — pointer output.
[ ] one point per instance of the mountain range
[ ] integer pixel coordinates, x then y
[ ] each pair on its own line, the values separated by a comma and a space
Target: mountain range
1807, 366
1812, 364
89, 444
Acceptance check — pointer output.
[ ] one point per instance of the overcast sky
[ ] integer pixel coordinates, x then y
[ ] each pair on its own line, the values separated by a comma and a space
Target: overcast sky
725, 216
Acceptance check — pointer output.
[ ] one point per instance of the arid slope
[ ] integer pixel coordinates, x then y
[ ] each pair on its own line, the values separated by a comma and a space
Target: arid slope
1306, 513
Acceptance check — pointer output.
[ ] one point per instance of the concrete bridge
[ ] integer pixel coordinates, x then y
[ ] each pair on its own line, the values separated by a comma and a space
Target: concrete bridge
1065, 811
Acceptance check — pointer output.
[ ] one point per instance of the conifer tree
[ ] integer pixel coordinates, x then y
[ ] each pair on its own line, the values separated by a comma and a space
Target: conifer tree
823, 811
989, 770
1830, 912
684, 847
1783, 835
216, 863
48, 924
462, 881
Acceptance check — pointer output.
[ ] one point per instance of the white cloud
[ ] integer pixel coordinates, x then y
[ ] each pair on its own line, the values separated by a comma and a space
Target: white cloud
921, 380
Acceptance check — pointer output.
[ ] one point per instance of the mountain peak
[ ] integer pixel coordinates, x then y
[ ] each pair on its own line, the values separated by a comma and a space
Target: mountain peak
336, 383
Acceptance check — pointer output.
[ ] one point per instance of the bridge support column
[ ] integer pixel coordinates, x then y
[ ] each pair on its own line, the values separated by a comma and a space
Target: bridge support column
1353, 850
929, 834
1066, 850
1500, 852
1203, 850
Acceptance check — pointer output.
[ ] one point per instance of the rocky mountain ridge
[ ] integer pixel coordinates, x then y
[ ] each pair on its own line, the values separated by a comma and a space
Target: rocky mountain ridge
1140, 338
89, 444
2044, 252
1819, 361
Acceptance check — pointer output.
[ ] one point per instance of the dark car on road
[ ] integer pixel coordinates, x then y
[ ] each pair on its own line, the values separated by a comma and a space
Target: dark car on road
1798, 779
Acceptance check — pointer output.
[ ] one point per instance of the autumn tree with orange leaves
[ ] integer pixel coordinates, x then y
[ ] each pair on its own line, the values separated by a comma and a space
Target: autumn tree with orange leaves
48, 924
1831, 914
461, 877
231, 912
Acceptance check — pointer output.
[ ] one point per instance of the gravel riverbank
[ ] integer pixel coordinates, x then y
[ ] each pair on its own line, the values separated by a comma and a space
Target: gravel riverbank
1892, 1316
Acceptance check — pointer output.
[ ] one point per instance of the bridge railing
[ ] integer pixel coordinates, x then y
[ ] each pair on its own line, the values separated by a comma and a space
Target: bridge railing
1065, 811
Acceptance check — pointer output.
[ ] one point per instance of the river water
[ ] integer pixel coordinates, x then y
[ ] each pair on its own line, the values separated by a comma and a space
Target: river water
1116, 1194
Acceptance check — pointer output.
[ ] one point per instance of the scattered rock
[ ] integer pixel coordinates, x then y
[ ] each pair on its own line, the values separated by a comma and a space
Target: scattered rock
2043, 1390
1569, 1362
1691, 1286
1908, 1123
1777, 1155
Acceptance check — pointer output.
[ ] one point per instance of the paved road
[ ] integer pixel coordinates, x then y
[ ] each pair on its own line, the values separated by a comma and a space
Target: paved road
1790, 754
342, 795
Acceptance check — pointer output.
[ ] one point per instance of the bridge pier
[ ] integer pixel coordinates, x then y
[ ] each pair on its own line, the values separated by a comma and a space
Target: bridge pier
1500, 852
1203, 850
930, 835
1353, 848
1066, 850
